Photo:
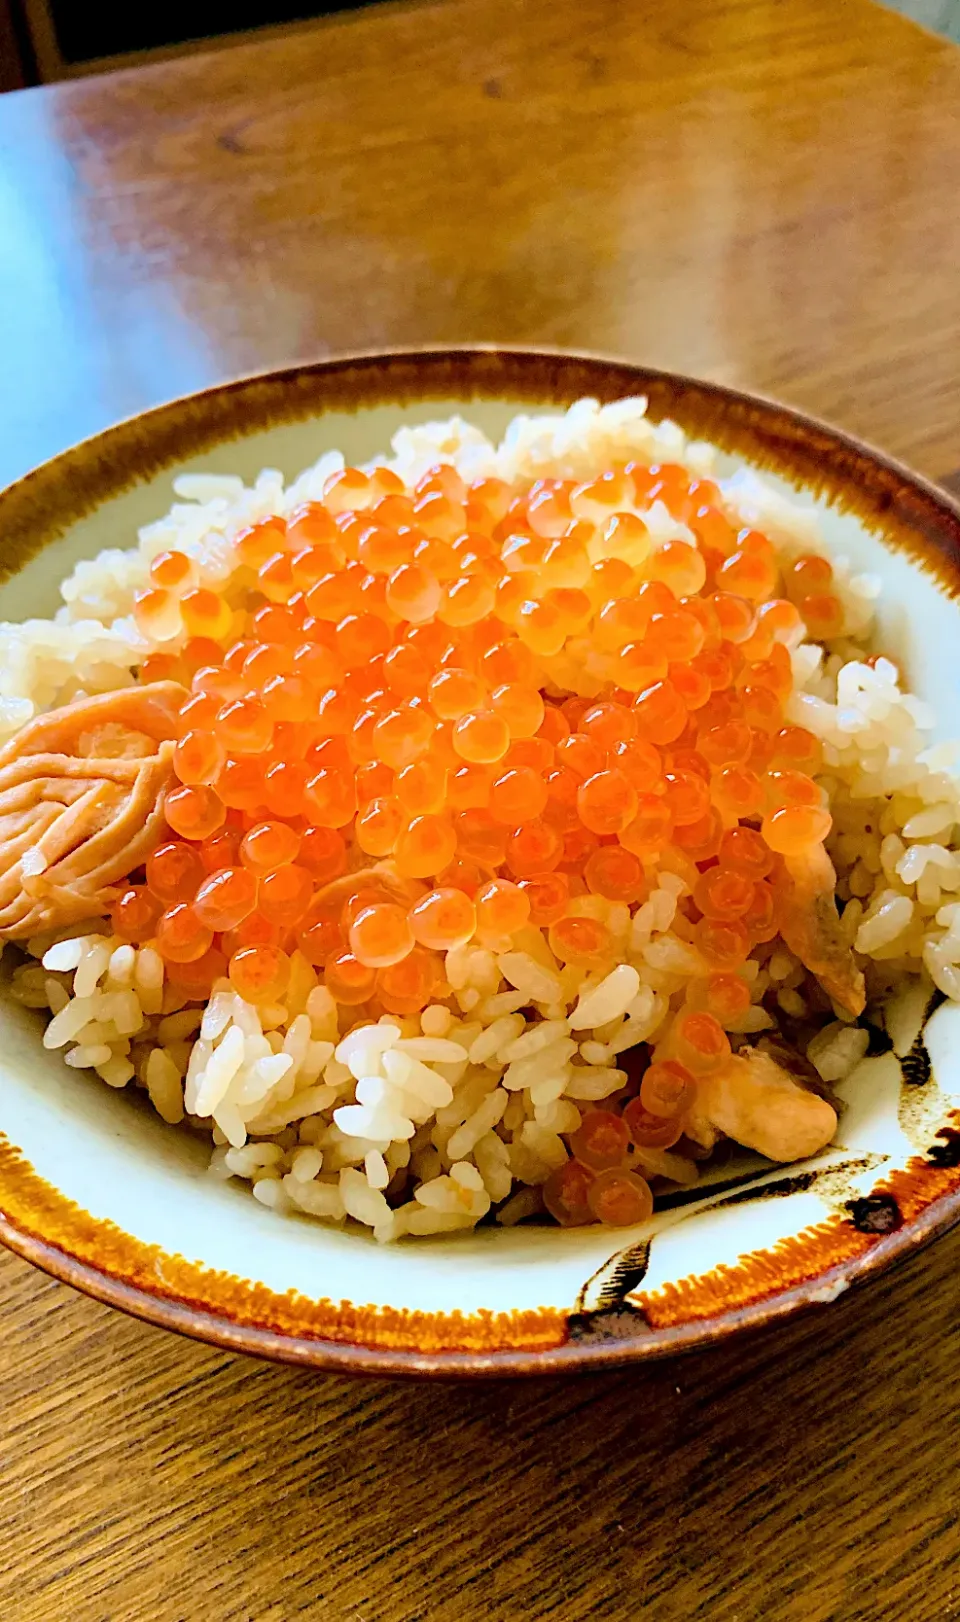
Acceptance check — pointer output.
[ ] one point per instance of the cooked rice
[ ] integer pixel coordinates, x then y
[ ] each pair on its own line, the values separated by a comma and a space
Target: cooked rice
420, 1125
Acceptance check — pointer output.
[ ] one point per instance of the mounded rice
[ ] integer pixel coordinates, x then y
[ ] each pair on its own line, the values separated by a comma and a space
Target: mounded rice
421, 1125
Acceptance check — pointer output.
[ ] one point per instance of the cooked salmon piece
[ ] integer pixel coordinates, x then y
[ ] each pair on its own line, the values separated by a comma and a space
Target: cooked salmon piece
757, 1102
380, 878
810, 925
81, 791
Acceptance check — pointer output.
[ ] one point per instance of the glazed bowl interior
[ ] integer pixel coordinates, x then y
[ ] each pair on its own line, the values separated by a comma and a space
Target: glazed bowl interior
99, 1191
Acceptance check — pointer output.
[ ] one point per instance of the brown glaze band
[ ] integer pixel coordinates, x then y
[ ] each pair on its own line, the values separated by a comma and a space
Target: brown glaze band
807, 1270
95, 1256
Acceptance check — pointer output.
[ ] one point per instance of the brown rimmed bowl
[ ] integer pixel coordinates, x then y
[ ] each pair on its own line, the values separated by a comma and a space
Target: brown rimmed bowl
99, 1193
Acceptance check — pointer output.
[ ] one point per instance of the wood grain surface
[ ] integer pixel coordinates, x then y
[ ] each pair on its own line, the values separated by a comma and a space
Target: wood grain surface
761, 192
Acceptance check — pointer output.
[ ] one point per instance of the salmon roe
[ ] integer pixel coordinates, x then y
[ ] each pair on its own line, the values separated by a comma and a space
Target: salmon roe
466, 720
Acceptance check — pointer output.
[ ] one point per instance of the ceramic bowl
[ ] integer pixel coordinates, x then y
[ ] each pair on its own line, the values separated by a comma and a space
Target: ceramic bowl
100, 1193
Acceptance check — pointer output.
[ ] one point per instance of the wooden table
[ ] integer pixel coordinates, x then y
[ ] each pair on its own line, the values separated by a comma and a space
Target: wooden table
762, 192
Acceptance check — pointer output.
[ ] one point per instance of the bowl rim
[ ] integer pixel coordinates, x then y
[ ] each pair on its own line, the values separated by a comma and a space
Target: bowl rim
888, 492
575, 1356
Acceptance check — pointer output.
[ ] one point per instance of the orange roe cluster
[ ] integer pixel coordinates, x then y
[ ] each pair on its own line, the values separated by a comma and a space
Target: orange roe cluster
602, 1182
629, 1134
384, 682
423, 717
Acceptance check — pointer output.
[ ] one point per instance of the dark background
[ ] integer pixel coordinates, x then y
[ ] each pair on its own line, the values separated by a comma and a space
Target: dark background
91, 30
44, 40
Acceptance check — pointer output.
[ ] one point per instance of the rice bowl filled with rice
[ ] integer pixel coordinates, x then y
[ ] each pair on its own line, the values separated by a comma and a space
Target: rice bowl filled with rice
487, 833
